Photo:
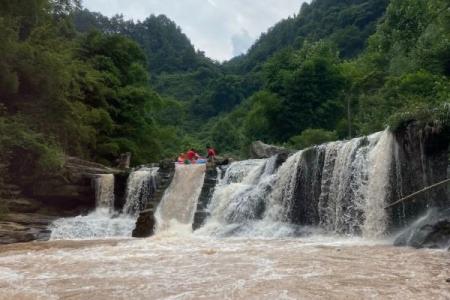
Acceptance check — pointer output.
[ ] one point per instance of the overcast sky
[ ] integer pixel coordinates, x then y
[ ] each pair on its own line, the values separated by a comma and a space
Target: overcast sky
221, 28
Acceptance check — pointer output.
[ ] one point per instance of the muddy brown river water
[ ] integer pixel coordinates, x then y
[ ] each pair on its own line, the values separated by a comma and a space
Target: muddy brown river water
170, 267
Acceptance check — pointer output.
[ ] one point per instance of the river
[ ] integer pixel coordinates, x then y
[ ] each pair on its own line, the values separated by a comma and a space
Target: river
190, 267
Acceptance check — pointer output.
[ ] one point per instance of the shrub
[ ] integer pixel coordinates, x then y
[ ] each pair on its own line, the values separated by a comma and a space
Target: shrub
311, 137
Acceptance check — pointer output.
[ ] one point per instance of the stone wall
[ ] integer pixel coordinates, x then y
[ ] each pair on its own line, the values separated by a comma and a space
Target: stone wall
146, 221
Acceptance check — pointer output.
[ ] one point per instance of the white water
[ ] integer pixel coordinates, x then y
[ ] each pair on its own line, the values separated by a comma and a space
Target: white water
178, 205
253, 200
241, 198
104, 191
141, 184
101, 223
378, 189
96, 225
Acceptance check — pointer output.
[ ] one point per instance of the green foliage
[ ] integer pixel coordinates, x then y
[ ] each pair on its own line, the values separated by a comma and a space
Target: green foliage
263, 117
30, 152
436, 116
123, 86
310, 82
312, 137
225, 136
348, 24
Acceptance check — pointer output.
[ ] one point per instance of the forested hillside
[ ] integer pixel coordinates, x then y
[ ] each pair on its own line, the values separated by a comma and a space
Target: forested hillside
65, 93
75, 82
317, 91
348, 24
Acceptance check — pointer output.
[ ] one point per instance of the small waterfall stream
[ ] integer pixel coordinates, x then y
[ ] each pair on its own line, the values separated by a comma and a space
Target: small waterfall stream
104, 222
141, 185
178, 205
104, 191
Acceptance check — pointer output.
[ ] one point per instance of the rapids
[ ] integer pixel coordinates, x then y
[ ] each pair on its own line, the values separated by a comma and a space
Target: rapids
186, 267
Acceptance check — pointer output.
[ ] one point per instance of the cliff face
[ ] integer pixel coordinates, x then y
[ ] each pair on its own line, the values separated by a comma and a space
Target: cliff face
146, 221
26, 210
421, 160
417, 159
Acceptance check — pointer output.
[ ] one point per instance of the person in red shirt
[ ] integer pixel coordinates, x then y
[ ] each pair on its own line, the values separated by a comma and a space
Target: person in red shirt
211, 153
192, 155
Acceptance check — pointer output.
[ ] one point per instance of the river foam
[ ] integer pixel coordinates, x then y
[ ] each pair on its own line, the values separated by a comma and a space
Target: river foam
192, 267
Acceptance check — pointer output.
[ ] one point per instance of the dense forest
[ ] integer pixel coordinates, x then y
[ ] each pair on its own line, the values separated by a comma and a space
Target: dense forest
74, 82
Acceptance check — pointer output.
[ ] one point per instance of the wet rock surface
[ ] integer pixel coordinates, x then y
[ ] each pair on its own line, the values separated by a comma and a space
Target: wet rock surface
205, 197
146, 221
27, 209
259, 149
72, 188
430, 231
421, 161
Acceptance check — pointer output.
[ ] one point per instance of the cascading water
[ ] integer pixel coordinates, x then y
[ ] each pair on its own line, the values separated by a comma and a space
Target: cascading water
178, 205
104, 191
141, 184
340, 187
240, 202
101, 223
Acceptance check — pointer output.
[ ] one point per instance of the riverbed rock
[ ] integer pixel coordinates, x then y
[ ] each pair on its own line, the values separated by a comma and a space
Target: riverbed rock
22, 205
259, 149
430, 231
71, 188
145, 224
209, 184
146, 221
29, 205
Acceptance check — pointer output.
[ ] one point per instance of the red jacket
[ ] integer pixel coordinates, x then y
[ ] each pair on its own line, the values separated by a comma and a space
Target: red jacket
211, 152
191, 155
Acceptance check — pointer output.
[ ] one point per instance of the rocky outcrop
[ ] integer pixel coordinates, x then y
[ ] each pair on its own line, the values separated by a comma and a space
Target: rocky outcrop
421, 160
260, 150
209, 184
71, 188
24, 219
146, 221
430, 231
27, 208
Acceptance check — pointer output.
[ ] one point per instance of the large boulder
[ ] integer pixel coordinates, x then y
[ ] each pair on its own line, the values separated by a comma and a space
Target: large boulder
259, 149
145, 224
430, 231
71, 188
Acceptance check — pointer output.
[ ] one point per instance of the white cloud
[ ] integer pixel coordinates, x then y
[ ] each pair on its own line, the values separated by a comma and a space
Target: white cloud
241, 42
221, 28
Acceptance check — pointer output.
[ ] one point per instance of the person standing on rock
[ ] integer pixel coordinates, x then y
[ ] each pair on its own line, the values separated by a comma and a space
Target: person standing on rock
211, 154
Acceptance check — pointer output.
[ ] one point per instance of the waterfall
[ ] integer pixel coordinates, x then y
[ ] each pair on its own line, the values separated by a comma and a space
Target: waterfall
103, 222
379, 189
141, 185
179, 202
104, 191
339, 187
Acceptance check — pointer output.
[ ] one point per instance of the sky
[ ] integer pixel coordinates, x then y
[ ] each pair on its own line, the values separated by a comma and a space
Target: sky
220, 28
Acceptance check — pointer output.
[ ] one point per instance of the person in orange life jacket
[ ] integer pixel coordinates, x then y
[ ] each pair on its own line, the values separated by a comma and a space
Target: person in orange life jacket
181, 158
